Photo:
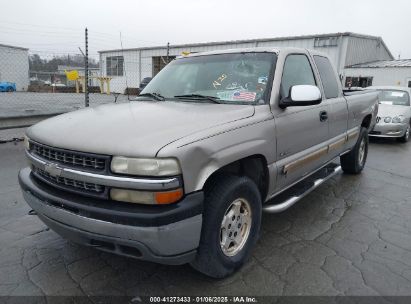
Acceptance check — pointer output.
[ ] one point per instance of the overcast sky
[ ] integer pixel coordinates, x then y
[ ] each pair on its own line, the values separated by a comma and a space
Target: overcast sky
57, 27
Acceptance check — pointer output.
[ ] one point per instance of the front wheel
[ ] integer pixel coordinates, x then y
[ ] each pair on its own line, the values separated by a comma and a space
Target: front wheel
406, 135
354, 161
231, 224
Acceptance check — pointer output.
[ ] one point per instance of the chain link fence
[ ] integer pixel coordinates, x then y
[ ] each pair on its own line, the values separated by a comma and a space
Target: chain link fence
47, 82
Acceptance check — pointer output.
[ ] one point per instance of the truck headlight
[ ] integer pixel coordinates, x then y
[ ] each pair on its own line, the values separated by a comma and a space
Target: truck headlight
26, 142
148, 198
387, 119
145, 166
398, 119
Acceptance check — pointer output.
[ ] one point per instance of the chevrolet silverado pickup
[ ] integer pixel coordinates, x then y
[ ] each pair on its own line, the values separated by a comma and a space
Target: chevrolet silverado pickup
183, 173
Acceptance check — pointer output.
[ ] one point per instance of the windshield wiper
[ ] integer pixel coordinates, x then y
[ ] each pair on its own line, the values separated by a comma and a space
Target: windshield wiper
198, 97
154, 95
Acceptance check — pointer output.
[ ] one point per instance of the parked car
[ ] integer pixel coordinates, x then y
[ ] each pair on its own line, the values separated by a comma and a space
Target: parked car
144, 82
59, 85
394, 113
37, 82
183, 173
7, 87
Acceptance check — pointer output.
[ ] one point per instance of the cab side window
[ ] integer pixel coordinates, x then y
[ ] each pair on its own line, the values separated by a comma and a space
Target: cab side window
327, 76
297, 71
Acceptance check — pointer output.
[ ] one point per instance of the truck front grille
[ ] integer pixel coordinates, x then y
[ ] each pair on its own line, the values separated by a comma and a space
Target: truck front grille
69, 184
70, 158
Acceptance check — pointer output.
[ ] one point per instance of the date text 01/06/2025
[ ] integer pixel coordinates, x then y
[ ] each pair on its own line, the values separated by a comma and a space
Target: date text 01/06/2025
203, 299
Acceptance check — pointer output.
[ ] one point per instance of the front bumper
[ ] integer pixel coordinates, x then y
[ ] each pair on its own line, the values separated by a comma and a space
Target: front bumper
167, 235
388, 130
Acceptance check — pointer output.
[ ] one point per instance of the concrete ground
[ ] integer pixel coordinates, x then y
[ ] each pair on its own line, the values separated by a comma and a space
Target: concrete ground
352, 236
30, 103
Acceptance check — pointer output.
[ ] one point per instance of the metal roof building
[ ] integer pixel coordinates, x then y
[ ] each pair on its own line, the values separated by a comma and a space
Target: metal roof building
14, 65
400, 63
128, 67
384, 72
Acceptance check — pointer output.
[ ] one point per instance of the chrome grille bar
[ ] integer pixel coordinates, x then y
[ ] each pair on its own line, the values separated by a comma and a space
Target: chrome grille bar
69, 158
70, 183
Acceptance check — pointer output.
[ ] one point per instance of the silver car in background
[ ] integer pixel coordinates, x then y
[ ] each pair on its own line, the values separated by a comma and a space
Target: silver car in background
394, 113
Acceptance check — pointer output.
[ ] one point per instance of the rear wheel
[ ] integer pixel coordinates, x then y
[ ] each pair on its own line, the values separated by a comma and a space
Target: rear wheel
231, 224
406, 135
354, 161
10, 89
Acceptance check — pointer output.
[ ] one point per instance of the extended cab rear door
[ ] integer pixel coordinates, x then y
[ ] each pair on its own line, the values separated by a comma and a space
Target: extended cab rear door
337, 105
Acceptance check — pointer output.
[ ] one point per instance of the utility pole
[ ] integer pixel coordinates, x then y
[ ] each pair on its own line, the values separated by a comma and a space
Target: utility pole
168, 51
86, 97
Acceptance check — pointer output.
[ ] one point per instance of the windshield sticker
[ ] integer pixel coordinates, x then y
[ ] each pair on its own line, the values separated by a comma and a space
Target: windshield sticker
225, 95
234, 86
219, 80
237, 95
244, 96
263, 79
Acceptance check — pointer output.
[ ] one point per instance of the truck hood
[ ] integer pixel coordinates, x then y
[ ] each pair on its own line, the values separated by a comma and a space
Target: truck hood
138, 128
392, 111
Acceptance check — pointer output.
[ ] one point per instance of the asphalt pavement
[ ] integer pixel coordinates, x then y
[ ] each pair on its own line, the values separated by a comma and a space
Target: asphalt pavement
351, 236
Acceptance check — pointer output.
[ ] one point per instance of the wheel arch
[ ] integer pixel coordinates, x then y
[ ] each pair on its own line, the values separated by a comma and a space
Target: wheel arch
366, 122
253, 166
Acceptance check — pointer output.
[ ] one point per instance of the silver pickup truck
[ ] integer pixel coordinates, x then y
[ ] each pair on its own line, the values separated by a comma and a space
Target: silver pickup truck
183, 173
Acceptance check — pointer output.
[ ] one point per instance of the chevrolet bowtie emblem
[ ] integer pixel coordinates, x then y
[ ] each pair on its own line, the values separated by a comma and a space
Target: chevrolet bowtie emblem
52, 169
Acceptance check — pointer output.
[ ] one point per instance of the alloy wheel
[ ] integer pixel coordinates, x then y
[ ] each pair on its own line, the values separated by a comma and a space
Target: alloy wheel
361, 152
235, 227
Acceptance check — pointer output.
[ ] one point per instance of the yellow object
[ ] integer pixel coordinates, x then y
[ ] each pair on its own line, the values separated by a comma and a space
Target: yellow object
185, 53
72, 75
103, 81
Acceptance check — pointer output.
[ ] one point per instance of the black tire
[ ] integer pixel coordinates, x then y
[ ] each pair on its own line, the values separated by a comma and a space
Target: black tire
219, 196
406, 136
351, 162
10, 89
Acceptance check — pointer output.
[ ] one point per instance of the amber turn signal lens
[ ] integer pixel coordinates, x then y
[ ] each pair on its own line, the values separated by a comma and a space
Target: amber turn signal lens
168, 197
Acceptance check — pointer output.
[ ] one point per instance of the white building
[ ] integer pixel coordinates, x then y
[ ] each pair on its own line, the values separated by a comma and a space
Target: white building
379, 73
129, 66
14, 66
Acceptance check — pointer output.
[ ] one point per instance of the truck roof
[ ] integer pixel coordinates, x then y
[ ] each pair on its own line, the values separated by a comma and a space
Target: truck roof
275, 50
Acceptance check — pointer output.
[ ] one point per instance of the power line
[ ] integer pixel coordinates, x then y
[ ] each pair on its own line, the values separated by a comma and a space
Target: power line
27, 31
70, 36
78, 30
46, 44
54, 35
43, 26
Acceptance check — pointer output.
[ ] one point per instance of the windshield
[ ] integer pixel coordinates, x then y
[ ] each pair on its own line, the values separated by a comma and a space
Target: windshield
394, 97
226, 78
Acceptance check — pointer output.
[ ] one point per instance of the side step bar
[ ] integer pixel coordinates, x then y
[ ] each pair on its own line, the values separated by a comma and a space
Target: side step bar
289, 197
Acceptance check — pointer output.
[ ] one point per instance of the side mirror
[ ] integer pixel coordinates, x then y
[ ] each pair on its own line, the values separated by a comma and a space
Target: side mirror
301, 95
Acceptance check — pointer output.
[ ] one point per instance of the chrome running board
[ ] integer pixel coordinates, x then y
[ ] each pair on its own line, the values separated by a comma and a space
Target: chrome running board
289, 197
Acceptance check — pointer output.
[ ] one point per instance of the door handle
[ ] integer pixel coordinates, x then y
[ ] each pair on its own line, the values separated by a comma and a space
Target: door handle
323, 116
